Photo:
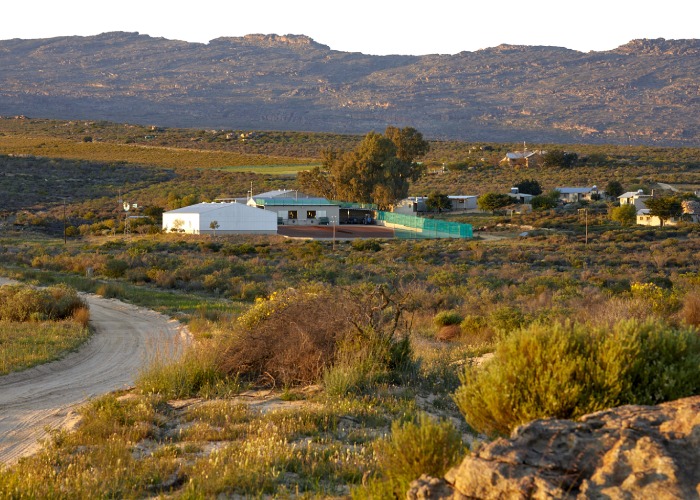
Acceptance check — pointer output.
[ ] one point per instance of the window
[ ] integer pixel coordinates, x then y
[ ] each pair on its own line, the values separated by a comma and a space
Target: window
311, 214
292, 215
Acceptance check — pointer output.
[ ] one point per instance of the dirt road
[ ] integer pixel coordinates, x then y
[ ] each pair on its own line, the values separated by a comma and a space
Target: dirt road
125, 338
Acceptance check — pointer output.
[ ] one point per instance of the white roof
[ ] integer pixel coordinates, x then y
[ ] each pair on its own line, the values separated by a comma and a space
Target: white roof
576, 190
634, 194
519, 155
203, 208
281, 193
461, 197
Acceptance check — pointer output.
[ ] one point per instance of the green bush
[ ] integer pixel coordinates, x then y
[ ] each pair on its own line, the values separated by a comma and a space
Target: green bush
507, 318
26, 303
446, 318
365, 359
420, 446
568, 370
115, 268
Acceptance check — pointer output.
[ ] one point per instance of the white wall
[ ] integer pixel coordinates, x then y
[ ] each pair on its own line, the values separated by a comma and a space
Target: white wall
231, 217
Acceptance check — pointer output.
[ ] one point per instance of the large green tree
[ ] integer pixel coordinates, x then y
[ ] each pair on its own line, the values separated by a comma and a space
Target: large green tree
529, 186
494, 201
437, 202
614, 189
664, 207
378, 170
559, 158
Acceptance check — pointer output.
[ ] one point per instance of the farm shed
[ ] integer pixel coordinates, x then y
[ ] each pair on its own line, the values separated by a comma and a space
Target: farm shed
232, 218
298, 211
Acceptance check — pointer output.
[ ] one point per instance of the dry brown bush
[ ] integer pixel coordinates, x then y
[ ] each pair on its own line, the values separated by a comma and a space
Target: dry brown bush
448, 332
82, 316
690, 313
293, 345
293, 338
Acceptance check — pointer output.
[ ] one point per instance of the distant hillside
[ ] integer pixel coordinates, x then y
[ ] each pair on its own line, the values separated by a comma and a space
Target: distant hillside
647, 91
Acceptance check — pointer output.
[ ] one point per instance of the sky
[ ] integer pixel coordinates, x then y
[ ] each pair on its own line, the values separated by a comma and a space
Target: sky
406, 27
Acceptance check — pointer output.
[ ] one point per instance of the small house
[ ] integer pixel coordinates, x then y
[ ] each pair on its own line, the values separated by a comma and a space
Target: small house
636, 198
576, 194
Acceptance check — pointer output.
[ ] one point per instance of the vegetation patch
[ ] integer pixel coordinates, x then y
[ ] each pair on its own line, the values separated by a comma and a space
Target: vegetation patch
566, 370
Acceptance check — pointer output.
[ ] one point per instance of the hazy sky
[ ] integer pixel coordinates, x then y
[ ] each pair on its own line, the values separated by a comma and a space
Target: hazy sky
369, 26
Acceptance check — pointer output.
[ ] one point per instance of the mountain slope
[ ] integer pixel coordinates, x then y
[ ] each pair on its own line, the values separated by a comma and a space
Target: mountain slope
646, 91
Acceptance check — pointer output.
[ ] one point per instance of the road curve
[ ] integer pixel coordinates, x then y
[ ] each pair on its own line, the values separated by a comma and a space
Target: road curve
125, 339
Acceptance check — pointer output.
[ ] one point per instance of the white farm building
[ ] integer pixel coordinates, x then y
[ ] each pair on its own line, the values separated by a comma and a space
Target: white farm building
220, 218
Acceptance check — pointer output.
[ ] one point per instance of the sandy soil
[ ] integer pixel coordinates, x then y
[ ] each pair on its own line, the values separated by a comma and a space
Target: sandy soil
125, 339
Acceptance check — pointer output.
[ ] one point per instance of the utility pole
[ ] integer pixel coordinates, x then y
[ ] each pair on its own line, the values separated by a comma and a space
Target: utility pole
65, 236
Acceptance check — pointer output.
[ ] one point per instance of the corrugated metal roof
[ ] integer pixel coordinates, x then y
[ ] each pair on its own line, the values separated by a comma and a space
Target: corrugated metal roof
203, 207
292, 201
576, 190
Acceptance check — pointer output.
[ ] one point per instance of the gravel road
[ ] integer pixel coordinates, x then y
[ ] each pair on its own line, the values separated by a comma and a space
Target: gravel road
125, 338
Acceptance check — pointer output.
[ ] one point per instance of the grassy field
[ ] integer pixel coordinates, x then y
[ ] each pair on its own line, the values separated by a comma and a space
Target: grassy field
144, 155
23, 345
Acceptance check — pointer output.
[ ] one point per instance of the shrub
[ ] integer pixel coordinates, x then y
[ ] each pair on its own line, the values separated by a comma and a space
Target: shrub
26, 303
420, 446
296, 336
690, 313
507, 318
624, 214
475, 329
366, 245
446, 318
115, 268
568, 370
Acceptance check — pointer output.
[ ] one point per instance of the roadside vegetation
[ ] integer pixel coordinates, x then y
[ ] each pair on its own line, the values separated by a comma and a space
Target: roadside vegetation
39, 325
347, 370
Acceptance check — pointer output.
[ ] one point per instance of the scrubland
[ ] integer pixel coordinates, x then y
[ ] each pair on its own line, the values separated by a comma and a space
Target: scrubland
347, 370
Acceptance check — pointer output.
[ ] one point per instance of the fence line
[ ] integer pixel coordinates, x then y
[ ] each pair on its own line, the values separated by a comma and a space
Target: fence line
420, 227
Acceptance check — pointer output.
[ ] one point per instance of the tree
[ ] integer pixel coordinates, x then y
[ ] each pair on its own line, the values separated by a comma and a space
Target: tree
437, 202
529, 186
664, 207
545, 201
493, 201
378, 170
214, 225
409, 143
614, 189
559, 158
624, 214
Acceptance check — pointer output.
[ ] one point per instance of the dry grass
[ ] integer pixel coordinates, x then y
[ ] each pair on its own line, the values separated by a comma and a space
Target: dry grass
23, 345
142, 155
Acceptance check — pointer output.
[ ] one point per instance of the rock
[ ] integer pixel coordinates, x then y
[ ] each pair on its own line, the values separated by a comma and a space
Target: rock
626, 452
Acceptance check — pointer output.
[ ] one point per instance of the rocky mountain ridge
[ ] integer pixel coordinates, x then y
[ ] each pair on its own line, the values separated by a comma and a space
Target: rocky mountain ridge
646, 91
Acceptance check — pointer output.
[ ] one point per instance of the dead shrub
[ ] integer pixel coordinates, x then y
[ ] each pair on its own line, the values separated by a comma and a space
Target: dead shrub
295, 336
292, 342
448, 332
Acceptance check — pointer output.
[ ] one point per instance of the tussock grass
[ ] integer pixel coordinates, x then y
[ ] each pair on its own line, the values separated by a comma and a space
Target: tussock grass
23, 345
195, 373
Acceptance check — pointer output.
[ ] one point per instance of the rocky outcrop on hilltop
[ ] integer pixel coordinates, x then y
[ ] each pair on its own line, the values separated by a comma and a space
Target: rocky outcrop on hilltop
626, 452
645, 91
